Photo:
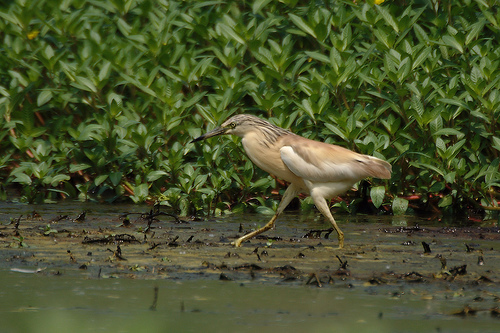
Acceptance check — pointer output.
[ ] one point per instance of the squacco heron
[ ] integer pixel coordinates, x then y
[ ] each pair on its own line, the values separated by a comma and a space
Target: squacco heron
316, 168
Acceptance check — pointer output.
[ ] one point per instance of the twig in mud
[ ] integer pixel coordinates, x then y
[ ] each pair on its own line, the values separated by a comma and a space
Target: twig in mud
480, 259
173, 243
427, 247
16, 225
343, 264
118, 253
151, 217
16, 221
154, 246
316, 280
256, 253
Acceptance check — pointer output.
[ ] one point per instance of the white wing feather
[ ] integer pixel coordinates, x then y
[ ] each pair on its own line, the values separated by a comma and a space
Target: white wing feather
326, 171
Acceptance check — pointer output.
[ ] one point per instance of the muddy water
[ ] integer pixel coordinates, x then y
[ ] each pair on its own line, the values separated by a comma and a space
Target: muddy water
59, 272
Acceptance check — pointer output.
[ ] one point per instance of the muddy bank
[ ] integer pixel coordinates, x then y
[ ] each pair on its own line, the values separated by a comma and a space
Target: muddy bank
135, 242
401, 270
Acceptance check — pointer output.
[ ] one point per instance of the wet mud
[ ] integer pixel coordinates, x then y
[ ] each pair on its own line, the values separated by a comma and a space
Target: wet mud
383, 255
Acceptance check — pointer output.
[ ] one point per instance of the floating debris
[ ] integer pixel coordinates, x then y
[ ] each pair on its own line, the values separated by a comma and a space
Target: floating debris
72, 258
34, 216
314, 279
443, 261
27, 271
81, 217
317, 233
122, 238
465, 312
459, 270
224, 277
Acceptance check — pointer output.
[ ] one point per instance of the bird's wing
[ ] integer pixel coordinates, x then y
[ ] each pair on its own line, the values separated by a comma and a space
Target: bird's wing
322, 162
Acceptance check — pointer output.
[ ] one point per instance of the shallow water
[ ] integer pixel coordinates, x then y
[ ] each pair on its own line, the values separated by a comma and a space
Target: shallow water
289, 283
35, 303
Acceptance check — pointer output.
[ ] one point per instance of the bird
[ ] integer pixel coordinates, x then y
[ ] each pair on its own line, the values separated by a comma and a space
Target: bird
315, 168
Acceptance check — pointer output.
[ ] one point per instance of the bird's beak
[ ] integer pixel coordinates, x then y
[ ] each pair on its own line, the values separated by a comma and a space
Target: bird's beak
215, 132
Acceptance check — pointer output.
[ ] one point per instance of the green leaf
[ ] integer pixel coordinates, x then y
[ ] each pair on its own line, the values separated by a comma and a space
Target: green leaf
139, 85
454, 150
49, 52
299, 22
84, 84
155, 175
336, 131
231, 33
474, 32
78, 167
115, 177
388, 17
399, 206
22, 80
44, 97
307, 107
440, 144
100, 179
23, 179
105, 70
446, 201
124, 27
422, 56
447, 131
258, 5
141, 193
437, 187
58, 179
496, 142
377, 195
318, 56
453, 42
455, 102
450, 177
264, 210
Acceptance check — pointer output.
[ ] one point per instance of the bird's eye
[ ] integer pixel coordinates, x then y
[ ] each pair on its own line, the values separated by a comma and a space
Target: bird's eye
232, 125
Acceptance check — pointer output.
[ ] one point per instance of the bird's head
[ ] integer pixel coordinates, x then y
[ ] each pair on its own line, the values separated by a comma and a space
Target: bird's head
237, 125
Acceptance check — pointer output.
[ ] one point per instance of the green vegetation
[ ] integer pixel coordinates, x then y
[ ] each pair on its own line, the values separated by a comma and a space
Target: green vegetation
100, 99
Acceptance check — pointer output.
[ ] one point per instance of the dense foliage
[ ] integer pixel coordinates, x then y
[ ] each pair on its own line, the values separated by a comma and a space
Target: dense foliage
100, 99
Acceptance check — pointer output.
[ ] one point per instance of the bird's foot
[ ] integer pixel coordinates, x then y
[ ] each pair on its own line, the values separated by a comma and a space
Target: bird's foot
237, 243
341, 241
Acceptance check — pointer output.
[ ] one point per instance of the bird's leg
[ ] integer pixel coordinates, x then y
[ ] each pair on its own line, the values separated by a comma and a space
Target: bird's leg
269, 225
322, 206
289, 194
